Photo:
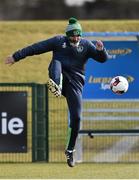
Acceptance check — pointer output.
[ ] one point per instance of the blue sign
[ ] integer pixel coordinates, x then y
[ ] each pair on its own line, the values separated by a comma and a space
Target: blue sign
124, 62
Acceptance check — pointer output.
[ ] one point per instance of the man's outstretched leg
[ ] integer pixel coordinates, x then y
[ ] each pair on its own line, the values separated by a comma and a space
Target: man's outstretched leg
55, 82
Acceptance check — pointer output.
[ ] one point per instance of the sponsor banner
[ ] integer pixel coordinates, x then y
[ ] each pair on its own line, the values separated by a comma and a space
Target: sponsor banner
124, 61
13, 122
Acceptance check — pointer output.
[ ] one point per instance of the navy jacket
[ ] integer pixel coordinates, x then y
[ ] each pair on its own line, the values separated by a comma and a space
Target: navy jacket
72, 58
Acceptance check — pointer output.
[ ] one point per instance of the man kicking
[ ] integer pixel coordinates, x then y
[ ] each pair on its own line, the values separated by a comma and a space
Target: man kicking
67, 71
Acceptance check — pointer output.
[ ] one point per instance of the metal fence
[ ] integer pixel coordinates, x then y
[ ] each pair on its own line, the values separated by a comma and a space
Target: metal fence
58, 120
23, 108
109, 130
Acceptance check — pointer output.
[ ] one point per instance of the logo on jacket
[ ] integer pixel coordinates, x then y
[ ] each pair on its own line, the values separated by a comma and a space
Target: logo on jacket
80, 48
64, 45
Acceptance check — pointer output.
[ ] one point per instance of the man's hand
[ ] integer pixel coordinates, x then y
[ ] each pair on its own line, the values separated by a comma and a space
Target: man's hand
9, 60
99, 45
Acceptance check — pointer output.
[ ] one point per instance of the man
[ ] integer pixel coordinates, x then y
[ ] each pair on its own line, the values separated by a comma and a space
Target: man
66, 71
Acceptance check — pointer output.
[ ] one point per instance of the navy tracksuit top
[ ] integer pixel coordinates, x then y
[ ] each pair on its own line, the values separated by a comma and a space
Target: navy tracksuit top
72, 58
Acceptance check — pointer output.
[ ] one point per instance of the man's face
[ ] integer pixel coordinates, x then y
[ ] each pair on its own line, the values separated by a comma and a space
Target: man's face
74, 39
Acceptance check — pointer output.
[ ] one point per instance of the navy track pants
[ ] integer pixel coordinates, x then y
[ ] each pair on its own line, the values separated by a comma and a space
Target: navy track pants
72, 90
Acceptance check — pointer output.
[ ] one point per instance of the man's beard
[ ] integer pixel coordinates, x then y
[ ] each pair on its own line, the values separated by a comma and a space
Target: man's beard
74, 43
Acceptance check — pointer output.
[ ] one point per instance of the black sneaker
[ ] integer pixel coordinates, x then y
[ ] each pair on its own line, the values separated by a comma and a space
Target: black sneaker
69, 156
54, 88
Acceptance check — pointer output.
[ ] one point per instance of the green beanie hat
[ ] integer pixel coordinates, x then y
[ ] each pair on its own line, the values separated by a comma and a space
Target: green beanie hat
73, 28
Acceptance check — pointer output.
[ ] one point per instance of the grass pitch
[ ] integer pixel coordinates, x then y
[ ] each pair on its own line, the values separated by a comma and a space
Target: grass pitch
62, 171
15, 35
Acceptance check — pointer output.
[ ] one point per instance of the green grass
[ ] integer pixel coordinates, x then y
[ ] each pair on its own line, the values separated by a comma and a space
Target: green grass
62, 171
15, 35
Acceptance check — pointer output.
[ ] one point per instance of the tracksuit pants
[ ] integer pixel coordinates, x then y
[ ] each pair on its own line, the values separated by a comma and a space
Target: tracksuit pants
72, 90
